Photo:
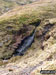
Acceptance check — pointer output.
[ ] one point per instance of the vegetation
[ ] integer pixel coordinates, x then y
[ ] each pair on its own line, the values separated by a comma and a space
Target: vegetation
24, 16
8, 26
6, 5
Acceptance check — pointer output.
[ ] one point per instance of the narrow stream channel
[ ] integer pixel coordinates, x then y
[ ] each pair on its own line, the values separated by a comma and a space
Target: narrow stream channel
26, 43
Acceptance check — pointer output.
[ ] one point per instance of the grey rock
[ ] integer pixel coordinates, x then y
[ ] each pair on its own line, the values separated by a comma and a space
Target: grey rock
1, 44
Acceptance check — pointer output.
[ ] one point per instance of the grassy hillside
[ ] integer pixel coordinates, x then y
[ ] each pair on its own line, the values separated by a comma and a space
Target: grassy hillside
6, 5
19, 23
13, 21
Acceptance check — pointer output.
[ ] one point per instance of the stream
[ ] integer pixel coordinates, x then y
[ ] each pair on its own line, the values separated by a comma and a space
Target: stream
26, 43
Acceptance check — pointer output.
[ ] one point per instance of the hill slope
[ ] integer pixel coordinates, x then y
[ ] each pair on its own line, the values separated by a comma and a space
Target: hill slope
6, 5
19, 23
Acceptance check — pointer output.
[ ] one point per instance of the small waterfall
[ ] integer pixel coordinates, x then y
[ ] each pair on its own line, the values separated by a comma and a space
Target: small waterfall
25, 44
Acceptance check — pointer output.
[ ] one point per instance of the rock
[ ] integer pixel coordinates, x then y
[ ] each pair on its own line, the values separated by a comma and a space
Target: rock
5, 41
52, 21
1, 44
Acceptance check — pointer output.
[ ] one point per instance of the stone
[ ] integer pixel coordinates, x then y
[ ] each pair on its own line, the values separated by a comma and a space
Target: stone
1, 44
